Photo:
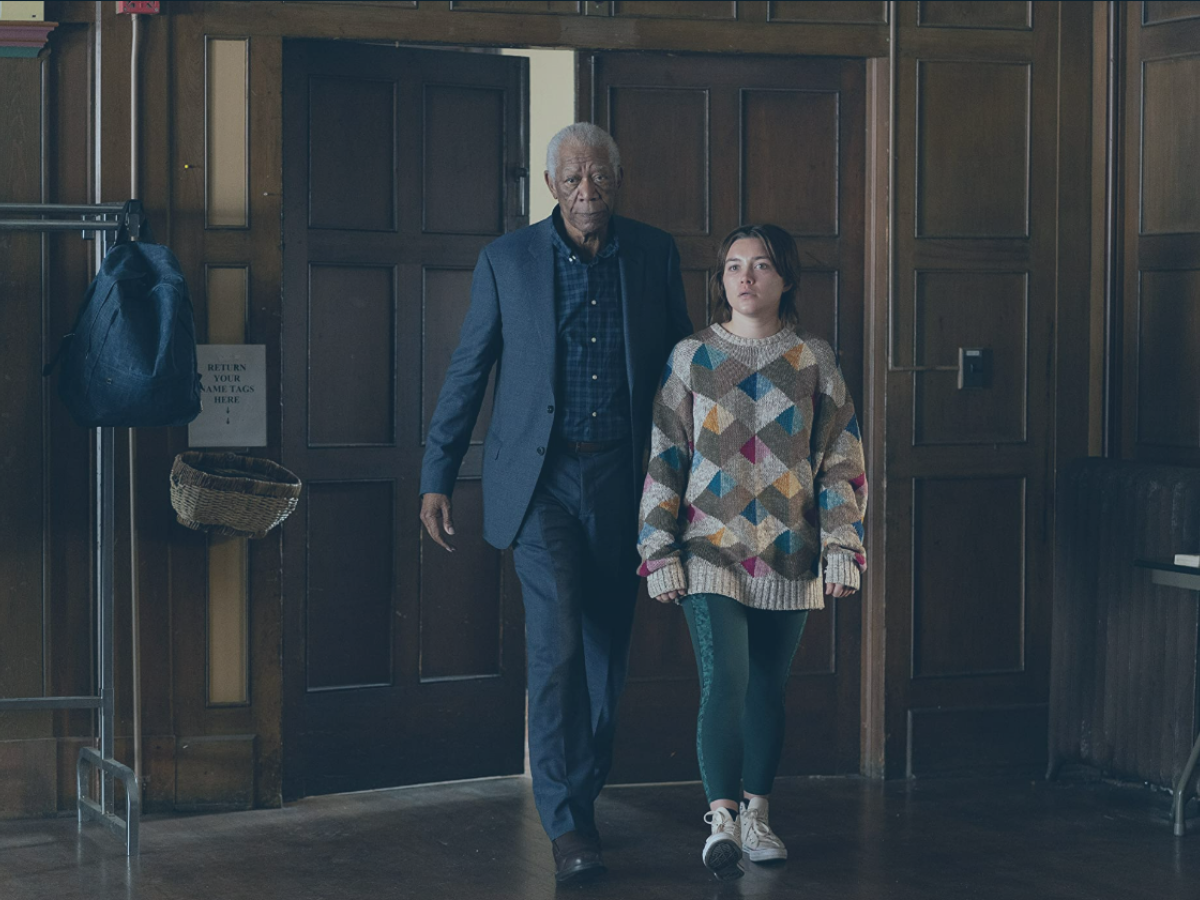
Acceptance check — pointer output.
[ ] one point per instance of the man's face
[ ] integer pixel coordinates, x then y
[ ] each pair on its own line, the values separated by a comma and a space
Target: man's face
586, 187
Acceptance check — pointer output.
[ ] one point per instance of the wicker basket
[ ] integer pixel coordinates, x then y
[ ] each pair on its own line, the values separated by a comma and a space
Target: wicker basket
230, 494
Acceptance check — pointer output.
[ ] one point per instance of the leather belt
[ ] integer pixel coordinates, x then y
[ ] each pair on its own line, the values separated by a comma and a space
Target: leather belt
585, 446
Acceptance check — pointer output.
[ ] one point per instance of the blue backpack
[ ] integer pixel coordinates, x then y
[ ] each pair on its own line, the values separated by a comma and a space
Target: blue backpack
130, 360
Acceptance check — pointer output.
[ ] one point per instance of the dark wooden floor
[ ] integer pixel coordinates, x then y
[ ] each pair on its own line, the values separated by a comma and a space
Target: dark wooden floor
849, 840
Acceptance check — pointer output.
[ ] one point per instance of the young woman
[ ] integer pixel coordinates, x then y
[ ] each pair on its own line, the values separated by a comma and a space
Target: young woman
751, 514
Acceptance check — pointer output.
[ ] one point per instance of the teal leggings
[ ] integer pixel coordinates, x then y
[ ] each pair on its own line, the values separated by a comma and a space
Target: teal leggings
743, 655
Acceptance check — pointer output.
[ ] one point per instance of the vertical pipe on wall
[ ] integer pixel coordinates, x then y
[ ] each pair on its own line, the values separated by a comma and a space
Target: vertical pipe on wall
890, 324
1111, 426
134, 173
893, 74
44, 284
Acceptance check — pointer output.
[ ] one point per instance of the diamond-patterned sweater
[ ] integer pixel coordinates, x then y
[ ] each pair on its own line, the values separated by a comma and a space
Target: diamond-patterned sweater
756, 479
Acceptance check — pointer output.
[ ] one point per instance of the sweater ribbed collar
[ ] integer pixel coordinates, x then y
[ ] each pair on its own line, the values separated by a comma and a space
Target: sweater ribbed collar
779, 339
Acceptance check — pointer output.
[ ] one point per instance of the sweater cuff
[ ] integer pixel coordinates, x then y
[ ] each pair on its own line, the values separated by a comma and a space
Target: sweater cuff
840, 568
670, 577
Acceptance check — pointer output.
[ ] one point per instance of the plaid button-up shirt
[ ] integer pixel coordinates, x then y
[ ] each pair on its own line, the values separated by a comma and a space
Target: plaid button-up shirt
593, 392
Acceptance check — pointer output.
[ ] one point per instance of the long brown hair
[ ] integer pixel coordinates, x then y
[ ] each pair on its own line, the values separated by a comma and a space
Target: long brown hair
784, 256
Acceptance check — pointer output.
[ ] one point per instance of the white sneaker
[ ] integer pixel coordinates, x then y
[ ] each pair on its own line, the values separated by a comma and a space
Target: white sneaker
722, 852
760, 843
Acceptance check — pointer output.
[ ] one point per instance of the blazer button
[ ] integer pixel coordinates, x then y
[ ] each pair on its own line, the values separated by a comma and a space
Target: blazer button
550, 409
541, 451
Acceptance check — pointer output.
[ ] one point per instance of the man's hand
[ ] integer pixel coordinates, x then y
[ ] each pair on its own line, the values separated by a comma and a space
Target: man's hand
670, 596
435, 516
838, 590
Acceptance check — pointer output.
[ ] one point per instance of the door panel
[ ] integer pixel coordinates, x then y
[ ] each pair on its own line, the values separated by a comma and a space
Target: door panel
1157, 413
970, 470
351, 306
402, 664
750, 139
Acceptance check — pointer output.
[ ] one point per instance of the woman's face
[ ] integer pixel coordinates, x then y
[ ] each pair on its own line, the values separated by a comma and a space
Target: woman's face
752, 284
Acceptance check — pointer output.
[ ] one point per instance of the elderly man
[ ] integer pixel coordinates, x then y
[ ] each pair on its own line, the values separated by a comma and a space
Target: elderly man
579, 313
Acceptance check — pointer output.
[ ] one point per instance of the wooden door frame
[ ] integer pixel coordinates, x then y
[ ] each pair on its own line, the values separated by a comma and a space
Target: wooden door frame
591, 76
265, 35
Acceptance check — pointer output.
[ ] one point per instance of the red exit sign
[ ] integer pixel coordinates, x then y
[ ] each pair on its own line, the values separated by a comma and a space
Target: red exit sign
143, 7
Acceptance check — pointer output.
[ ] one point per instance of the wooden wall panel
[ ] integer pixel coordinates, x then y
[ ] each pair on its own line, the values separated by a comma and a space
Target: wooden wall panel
442, 313
817, 654
969, 587
460, 602
1170, 146
352, 153
695, 285
1157, 238
1168, 377
394, 4
349, 538
214, 773
463, 158
1015, 14
352, 357
528, 7
797, 194
668, 190
972, 149
818, 303
675, 9
1124, 682
845, 12
226, 134
22, 527
1013, 741
45, 576
686, 27
959, 309
69, 546
27, 775
661, 648
1155, 12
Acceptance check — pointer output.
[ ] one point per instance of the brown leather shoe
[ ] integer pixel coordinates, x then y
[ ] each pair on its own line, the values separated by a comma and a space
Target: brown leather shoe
577, 857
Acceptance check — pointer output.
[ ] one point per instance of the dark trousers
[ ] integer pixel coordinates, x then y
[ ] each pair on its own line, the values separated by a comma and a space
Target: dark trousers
576, 556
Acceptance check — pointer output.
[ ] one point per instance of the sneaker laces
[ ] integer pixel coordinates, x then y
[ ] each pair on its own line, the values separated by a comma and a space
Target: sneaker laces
755, 825
711, 818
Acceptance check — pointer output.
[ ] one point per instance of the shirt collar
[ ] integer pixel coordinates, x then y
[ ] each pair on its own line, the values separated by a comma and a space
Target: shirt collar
566, 249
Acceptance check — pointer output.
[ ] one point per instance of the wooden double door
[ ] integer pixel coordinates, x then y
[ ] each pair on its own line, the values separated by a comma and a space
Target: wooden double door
709, 143
402, 663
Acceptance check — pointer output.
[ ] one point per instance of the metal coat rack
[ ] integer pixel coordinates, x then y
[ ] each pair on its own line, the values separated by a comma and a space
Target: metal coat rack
101, 219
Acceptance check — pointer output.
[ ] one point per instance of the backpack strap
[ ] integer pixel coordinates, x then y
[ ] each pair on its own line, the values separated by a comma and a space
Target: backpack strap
134, 224
62, 348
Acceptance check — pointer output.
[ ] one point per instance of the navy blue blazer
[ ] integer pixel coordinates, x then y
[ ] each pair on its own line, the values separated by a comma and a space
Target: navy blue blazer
511, 324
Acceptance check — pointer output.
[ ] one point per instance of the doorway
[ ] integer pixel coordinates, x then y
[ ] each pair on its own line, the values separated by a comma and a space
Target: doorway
708, 143
403, 665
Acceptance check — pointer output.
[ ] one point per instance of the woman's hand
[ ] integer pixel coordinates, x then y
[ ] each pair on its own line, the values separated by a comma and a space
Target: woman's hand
671, 596
838, 590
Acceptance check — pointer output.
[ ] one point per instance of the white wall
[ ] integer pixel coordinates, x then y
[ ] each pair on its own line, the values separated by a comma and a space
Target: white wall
551, 107
22, 11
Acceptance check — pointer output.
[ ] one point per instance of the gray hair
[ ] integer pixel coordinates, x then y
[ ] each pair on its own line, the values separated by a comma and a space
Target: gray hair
586, 134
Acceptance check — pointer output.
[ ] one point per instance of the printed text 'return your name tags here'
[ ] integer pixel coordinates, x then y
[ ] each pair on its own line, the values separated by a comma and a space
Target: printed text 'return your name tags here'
233, 411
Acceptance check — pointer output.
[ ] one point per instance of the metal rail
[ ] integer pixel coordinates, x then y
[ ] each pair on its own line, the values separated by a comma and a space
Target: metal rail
101, 218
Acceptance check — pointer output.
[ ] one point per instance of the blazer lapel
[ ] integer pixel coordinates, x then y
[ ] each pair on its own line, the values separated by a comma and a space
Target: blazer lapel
538, 274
